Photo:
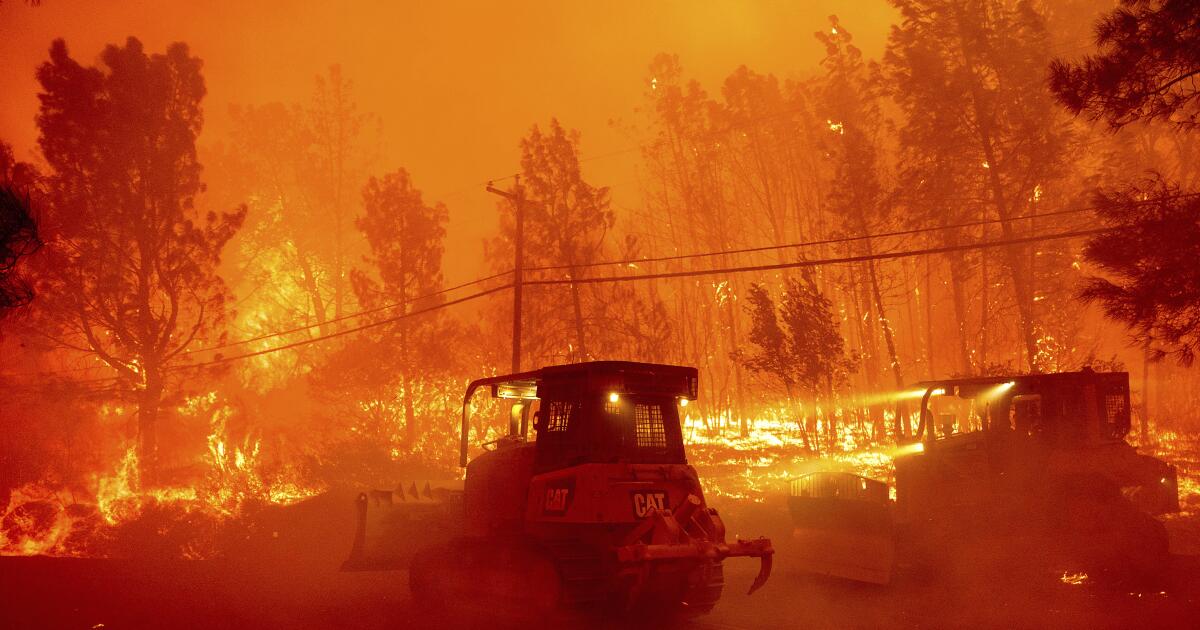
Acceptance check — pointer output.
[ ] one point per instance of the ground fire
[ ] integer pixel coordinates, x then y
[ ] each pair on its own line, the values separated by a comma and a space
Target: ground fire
829, 314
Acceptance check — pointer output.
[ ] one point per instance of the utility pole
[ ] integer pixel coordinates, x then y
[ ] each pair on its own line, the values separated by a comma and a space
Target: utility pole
517, 197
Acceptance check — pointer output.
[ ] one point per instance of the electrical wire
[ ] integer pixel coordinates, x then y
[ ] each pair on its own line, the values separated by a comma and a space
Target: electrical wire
652, 276
822, 262
847, 239
340, 333
348, 316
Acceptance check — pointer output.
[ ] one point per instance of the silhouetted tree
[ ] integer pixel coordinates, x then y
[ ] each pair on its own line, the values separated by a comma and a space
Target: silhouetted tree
850, 100
1151, 257
1146, 69
18, 230
407, 238
131, 276
970, 76
691, 208
813, 337
797, 343
566, 221
772, 357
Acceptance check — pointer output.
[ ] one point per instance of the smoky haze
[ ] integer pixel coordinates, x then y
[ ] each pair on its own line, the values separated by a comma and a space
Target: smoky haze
454, 83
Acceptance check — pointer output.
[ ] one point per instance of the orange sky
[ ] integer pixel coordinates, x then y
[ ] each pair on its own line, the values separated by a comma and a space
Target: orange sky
456, 84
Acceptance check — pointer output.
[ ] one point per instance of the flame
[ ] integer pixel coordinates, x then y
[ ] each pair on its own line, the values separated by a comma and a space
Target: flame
44, 521
775, 449
1074, 579
35, 524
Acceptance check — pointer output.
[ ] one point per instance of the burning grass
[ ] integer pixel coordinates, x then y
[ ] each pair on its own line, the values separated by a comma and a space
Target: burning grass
114, 515
754, 466
1183, 451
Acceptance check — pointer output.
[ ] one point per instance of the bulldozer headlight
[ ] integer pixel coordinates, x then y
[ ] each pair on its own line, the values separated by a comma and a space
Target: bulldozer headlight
683, 402
614, 397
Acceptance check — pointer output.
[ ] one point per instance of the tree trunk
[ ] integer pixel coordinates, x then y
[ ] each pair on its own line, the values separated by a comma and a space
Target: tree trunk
1145, 406
885, 325
309, 282
984, 125
984, 306
576, 303
147, 437
410, 416
929, 318
957, 280
743, 421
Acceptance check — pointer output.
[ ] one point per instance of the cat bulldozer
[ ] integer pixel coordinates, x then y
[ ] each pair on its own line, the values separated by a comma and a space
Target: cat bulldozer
1034, 464
601, 510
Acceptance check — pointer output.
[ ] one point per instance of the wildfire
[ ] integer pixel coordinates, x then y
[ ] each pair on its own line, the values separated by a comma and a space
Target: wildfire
42, 520
777, 448
35, 525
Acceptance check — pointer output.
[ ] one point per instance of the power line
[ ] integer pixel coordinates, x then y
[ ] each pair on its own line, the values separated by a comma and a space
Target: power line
677, 274
594, 280
313, 340
829, 241
340, 333
826, 261
847, 239
342, 318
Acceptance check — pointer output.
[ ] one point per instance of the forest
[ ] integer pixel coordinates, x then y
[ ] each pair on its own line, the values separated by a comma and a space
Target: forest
198, 325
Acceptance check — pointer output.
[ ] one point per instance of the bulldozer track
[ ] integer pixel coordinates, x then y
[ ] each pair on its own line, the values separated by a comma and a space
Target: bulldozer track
582, 572
715, 625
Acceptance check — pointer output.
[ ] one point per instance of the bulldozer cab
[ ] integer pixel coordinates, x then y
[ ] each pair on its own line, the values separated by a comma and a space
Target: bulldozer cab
597, 412
1059, 411
984, 447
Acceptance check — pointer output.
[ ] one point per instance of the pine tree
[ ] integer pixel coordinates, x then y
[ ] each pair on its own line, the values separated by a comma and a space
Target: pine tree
1146, 69
131, 275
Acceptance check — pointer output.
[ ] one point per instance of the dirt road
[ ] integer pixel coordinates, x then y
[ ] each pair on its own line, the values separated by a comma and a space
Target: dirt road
288, 578
113, 594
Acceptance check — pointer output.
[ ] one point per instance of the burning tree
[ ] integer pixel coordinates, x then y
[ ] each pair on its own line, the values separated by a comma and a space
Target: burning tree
130, 274
406, 236
296, 166
970, 79
567, 224
567, 220
690, 204
850, 98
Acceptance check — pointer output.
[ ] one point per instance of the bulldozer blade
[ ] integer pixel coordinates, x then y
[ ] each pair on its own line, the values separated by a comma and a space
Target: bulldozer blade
390, 527
764, 572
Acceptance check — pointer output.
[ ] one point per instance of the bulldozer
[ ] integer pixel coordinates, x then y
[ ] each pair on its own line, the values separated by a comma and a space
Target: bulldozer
600, 510
1034, 464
